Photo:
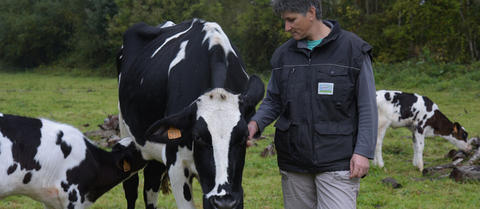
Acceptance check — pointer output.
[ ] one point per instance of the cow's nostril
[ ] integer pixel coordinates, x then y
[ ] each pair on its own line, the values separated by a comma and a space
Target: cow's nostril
224, 203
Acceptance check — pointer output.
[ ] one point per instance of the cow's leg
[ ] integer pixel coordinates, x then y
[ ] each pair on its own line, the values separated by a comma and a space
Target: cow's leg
418, 146
181, 186
383, 125
152, 178
130, 188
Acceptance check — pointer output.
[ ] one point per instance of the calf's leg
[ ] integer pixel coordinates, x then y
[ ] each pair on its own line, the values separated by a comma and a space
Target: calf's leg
382, 128
418, 146
130, 187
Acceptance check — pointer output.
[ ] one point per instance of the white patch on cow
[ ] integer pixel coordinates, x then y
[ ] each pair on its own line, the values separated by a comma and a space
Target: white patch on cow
152, 197
460, 144
119, 78
125, 142
167, 24
153, 151
212, 106
49, 152
1, 114
173, 37
215, 36
124, 129
6, 158
180, 56
178, 179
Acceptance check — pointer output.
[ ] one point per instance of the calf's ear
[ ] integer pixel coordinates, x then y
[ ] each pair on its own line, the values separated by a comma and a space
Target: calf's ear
172, 129
126, 166
456, 127
252, 96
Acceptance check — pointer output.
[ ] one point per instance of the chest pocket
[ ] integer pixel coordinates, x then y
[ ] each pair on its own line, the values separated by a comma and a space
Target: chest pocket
334, 91
287, 79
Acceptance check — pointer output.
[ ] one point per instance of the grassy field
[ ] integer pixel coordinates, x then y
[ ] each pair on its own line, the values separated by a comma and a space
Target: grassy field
85, 101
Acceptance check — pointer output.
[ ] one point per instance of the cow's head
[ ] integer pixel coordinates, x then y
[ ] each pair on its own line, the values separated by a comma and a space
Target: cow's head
217, 124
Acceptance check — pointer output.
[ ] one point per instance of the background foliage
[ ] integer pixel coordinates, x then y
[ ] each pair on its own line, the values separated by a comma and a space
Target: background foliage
87, 33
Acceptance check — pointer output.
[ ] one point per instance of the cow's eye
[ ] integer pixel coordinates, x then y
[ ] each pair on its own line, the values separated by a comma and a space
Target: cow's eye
200, 140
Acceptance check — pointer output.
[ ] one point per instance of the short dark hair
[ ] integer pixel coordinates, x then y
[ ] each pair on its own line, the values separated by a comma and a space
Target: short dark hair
297, 6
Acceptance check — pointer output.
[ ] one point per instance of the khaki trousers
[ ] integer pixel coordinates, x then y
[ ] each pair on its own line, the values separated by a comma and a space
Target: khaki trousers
328, 190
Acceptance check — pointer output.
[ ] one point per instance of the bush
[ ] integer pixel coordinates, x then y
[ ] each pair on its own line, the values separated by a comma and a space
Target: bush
427, 75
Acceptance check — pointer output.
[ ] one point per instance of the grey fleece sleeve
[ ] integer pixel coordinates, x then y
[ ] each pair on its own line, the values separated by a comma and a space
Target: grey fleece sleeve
367, 111
271, 106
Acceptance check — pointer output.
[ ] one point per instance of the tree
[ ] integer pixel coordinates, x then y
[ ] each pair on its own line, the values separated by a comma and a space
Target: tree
259, 32
154, 12
34, 32
90, 43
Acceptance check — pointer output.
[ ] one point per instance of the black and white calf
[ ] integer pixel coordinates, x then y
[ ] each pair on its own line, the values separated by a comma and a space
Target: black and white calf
185, 98
55, 164
421, 116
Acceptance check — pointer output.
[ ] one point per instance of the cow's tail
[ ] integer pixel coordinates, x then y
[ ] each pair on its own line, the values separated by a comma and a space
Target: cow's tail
121, 125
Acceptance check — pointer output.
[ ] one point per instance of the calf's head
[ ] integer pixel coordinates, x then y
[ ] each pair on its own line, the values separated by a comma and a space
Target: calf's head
455, 134
216, 124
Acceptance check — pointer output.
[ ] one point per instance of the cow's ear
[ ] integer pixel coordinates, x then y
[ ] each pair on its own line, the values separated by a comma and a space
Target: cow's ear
252, 96
172, 129
456, 127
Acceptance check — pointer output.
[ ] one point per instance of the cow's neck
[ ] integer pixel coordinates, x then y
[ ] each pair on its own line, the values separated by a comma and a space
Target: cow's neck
441, 125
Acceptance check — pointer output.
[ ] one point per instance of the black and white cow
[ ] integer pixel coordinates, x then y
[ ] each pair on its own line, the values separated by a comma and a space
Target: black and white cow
55, 164
185, 98
421, 116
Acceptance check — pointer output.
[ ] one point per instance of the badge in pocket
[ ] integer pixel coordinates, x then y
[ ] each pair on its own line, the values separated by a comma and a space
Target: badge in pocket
325, 88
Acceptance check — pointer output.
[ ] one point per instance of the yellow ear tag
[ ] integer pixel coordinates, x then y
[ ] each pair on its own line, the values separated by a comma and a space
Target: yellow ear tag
174, 133
126, 166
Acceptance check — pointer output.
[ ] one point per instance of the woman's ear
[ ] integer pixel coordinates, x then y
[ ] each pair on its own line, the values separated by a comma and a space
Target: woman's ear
311, 13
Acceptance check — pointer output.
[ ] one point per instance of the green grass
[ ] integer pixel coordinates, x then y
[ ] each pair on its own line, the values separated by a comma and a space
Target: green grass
79, 100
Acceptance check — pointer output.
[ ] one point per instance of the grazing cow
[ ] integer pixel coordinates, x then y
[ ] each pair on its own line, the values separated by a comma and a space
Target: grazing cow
421, 116
55, 164
185, 98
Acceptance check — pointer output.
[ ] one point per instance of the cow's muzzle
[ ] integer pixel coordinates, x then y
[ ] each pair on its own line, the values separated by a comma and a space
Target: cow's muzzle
224, 202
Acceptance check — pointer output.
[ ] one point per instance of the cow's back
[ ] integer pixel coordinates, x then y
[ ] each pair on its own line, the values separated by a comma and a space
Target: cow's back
173, 69
35, 156
404, 109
